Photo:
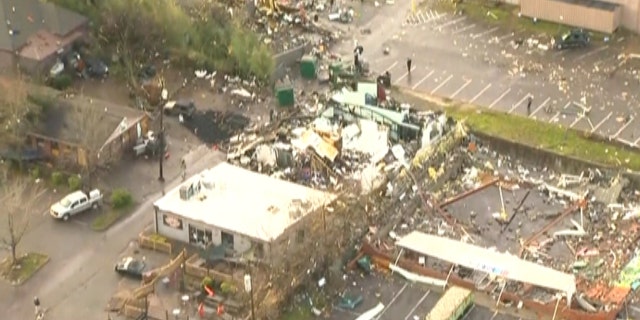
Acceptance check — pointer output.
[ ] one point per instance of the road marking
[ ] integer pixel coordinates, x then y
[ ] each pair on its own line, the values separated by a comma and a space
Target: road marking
590, 53
480, 93
463, 29
482, 34
422, 80
578, 118
430, 14
417, 305
615, 136
404, 75
635, 143
392, 301
559, 112
468, 312
421, 17
540, 107
499, 98
519, 102
391, 66
450, 23
442, 84
625, 141
601, 122
460, 89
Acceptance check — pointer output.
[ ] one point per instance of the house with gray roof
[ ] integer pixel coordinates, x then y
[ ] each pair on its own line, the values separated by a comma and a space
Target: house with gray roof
34, 32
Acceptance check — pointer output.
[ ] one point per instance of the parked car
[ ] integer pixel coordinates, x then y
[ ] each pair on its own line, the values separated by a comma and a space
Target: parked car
57, 69
96, 68
176, 108
572, 39
131, 267
75, 203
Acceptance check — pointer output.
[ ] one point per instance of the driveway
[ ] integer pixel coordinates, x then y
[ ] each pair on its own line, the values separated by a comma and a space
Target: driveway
461, 59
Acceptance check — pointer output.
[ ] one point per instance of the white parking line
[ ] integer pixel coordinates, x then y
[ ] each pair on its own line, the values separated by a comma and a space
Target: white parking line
463, 29
590, 53
417, 305
482, 34
508, 36
460, 89
480, 93
499, 98
559, 112
540, 107
392, 301
450, 23
519, 102
421, 17
635, 143
615, 136
422, 80
578, 118
601, 122
404, 76
442, 84
391, 66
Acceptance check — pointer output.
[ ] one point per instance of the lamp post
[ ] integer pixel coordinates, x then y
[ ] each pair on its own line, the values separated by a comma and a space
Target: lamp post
248, 287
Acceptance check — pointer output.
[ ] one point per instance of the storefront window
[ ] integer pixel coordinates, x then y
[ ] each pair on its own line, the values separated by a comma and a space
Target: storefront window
199, 236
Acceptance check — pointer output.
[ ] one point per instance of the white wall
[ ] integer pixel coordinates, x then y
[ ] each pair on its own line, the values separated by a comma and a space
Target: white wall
171, 232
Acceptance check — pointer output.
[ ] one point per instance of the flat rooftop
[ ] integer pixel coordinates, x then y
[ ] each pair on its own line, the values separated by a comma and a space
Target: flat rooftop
244, 202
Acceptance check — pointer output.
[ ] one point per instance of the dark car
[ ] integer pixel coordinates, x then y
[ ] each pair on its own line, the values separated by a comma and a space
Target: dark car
131, 267
96, 68
176, 108
572, 39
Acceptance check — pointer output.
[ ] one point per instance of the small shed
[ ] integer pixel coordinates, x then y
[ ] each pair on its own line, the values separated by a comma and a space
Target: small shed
593, 15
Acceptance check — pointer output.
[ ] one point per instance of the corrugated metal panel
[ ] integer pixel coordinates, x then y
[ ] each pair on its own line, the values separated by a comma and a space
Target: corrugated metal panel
592, 15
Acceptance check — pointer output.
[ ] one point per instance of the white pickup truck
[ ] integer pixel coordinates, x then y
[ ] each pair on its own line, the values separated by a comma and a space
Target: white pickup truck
75, 203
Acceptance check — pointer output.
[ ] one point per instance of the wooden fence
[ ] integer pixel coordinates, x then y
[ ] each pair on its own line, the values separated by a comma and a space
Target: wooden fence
148, 242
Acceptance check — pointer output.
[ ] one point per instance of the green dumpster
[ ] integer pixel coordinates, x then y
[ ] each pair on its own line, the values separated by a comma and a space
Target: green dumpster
308, 67
285, 96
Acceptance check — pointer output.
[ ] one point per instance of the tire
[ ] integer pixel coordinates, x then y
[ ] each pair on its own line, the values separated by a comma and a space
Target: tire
65, 217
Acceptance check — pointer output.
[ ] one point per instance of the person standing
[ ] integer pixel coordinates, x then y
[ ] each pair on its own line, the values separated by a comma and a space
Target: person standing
529, 101
409, 65
36, 303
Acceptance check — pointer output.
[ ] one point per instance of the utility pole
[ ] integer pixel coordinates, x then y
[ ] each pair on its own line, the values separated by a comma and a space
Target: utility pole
248, 286
161, 133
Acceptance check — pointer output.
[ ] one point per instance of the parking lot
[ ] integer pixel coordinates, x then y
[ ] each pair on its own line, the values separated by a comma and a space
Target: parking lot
402, 301
591, 105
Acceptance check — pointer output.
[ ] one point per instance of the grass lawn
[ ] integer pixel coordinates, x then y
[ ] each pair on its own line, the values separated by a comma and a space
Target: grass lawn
298, 313
26, 267
507, 15
106, 219
547, 136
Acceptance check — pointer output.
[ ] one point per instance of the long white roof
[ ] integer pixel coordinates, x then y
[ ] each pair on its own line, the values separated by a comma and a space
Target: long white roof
244, 202
503, 265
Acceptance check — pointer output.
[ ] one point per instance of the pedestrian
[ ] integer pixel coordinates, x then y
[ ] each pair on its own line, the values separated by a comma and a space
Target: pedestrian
36, 303
529, 101
356, 61
409, 65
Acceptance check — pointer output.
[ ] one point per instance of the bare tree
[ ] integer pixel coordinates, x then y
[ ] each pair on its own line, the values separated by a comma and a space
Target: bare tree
91, 132
16, 113
18, 199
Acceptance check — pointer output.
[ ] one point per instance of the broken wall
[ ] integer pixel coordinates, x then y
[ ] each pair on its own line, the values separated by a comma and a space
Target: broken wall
598, 16
285, 60
544, 158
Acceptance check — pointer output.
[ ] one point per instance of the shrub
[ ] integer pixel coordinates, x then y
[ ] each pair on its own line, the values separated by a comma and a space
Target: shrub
121, 198
227, 288
35, 173
61, 82
57, 178
74, 183
207, 282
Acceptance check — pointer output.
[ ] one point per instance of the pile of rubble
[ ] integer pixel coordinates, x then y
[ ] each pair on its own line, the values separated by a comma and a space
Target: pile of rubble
584, 225
345, 142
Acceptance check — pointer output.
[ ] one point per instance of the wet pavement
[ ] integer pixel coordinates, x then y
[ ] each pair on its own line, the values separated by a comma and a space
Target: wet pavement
455, 57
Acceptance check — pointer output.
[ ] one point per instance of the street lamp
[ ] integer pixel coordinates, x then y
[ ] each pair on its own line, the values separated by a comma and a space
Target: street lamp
248, 287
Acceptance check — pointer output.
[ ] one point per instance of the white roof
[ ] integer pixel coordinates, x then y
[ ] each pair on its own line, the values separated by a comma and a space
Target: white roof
244, 202
503, 265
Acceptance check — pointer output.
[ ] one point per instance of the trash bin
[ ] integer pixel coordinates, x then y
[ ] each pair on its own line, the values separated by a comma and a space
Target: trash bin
285, 96
309, 67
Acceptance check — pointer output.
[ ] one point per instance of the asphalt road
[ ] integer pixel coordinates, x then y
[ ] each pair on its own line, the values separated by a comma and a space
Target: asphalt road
457, 58
403, 301
79, 279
